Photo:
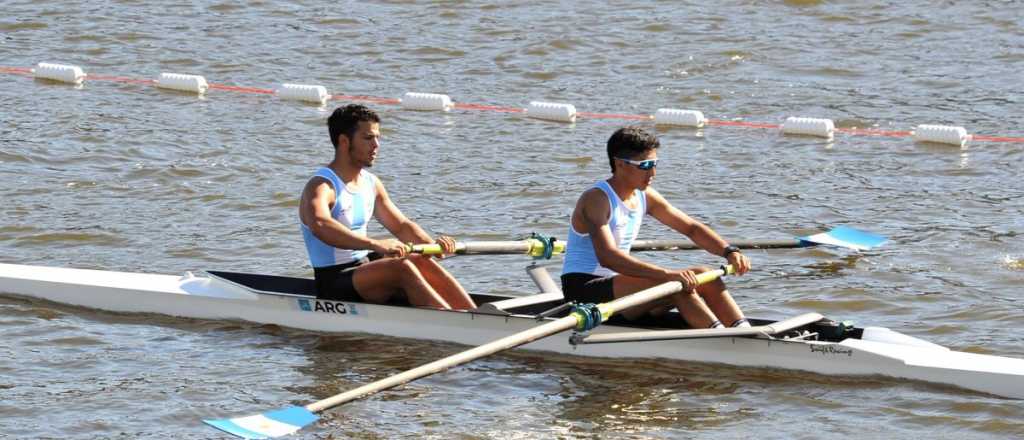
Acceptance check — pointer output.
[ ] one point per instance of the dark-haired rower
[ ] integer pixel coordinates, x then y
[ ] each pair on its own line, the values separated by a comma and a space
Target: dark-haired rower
598, 267
336, 206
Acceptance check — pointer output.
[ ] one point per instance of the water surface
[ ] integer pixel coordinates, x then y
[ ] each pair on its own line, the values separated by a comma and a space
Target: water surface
123, 176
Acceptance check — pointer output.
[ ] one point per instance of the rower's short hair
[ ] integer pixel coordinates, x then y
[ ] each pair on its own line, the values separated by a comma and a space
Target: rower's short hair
345, 120
629, 142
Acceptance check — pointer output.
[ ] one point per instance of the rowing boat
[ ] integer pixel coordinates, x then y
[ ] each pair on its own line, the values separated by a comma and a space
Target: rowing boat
808, 342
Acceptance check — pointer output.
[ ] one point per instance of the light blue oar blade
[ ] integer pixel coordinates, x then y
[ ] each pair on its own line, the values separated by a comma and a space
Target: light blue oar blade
267, 425
846, 237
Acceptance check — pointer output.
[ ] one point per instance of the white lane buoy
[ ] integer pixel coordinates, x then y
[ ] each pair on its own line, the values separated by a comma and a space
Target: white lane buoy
182, 82
426, 101
59, 72
303, 92
686, 118
942, 134
551, 111
809, 126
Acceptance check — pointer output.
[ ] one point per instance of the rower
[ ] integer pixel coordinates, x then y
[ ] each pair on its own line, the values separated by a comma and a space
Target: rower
334, 210
598, 267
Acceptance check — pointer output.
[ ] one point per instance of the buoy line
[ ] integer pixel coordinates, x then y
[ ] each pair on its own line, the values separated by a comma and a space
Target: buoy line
548, 111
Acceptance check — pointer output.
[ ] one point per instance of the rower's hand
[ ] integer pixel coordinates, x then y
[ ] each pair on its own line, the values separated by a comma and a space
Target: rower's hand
447, 246
685, 276
739, 262
390, 247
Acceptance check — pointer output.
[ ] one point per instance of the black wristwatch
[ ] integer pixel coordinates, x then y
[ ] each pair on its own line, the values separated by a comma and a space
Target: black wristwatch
728, 250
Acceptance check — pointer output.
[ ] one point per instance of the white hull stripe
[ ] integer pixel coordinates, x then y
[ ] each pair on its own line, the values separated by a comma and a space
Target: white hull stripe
272, 424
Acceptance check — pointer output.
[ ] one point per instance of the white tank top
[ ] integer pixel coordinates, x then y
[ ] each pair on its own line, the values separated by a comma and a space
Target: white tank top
625, 225
352, 209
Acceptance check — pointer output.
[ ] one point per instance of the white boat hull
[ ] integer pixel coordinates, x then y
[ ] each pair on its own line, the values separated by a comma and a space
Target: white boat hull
202, 297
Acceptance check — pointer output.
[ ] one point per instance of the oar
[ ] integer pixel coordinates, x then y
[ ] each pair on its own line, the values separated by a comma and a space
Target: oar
841, 236
288, 420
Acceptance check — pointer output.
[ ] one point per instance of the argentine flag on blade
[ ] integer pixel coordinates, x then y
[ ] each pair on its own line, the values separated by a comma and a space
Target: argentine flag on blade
272, 424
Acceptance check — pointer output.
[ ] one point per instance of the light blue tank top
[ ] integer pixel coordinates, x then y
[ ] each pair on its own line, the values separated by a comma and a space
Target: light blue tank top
350, 209
625, 225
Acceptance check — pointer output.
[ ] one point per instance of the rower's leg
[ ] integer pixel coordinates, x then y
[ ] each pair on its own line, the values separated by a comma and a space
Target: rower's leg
377, 281
719, 300
624, 285
690, 304
443, 282
694, 310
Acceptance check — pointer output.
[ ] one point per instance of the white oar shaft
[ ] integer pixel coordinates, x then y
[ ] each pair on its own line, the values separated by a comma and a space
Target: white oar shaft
531, 247
446, 363
841, 236
508, 342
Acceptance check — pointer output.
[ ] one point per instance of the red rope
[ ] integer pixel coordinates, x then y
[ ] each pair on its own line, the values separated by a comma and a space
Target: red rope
17, 70
873, 132
240, 89
611, 116
482, 107
363, 98
120, 79
1016, 140
742, 124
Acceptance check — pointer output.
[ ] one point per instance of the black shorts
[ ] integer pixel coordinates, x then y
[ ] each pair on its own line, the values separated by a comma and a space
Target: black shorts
587, 288
335, 282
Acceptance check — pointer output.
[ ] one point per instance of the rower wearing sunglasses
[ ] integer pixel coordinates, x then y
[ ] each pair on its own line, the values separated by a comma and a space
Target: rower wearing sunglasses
598, 267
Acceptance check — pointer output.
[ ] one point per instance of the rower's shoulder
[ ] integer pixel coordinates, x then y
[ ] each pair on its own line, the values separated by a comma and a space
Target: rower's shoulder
593, 195
593, 203
317, 185
317, 180
321, 176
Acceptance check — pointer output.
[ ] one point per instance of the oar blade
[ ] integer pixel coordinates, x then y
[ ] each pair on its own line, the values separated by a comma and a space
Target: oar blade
847, 237
267, 425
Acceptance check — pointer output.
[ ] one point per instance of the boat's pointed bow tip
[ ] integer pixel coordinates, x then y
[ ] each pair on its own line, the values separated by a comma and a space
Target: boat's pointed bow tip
271, 424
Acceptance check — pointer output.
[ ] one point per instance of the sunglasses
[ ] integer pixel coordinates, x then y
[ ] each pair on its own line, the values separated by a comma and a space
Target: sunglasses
641, 164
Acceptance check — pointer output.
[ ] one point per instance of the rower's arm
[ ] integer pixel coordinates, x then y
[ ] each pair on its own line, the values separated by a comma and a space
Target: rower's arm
591, 216
670, 216
315, 213
394, 221
698, 232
